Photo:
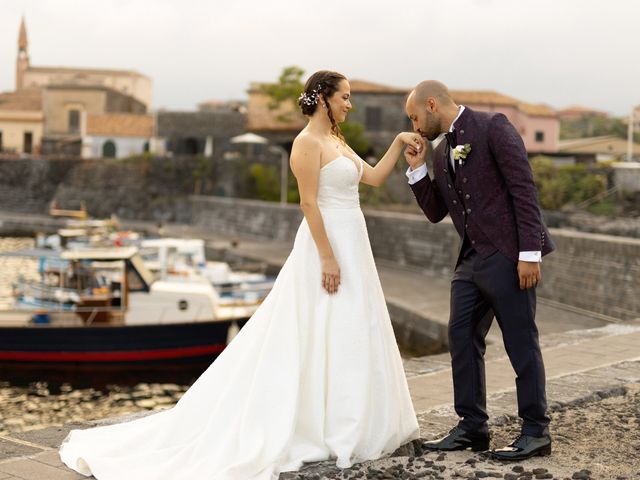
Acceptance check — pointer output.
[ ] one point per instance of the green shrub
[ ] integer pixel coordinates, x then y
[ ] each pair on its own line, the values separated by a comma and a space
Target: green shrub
566, 184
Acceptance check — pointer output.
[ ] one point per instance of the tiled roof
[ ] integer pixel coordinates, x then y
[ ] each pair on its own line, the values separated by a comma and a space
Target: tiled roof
120, 125
608, 144
261, 118
87, 71
488, 97
362, 86
28, 99
580, 109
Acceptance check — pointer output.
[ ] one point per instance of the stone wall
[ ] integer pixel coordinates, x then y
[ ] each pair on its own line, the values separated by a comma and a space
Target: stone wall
143, 188
250, 218
596, 273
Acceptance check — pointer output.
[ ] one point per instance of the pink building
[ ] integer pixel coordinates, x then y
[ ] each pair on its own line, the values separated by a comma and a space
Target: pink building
538, 125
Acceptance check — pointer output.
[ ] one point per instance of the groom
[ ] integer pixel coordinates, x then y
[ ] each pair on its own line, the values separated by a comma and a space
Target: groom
481, 177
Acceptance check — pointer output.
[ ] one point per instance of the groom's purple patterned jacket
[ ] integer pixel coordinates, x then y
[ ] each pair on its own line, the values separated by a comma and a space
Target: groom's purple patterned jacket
493, 194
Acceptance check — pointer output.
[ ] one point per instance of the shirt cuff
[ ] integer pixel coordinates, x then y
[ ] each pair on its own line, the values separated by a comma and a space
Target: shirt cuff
530, 257
418, 174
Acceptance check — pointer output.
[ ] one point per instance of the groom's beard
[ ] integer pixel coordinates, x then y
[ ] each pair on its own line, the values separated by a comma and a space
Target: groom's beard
431, 131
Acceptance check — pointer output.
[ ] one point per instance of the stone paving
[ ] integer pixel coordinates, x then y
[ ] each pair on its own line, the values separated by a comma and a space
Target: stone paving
581, 368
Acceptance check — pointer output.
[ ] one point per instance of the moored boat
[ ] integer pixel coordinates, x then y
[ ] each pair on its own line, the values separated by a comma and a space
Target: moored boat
116, 317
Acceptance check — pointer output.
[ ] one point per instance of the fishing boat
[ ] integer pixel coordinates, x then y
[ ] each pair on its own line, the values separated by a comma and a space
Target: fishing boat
185, 258
101, 310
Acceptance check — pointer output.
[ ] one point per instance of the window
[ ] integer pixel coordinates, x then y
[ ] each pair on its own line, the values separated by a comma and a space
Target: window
539, 136
109, 149
373, 118
28, 142
74, 121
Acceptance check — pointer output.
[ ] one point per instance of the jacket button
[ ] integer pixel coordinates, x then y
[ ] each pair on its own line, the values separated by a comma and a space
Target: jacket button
445, 171
467, 196
464, 180
473, 242
455, 202
468, 210
449, 185
466, 225
460, 192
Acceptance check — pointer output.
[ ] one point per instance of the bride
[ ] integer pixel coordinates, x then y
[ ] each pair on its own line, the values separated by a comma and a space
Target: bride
315, 374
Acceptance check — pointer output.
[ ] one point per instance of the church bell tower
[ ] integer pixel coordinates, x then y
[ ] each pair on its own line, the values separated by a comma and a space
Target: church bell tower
22, 62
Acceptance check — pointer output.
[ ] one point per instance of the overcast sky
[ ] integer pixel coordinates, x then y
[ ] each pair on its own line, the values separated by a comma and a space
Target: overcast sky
558, 52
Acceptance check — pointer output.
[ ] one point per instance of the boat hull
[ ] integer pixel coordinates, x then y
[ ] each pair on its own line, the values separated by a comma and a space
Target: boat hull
102, 354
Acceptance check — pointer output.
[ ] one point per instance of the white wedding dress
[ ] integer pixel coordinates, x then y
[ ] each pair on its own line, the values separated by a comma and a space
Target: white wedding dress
311, 376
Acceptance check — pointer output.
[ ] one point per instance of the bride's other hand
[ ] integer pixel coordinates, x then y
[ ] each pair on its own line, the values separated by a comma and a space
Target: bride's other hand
330, 275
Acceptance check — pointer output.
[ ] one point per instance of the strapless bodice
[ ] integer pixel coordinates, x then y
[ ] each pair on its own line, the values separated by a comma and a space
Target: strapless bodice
338, 184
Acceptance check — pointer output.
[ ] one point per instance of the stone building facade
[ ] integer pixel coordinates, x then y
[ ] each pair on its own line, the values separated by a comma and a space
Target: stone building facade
126, 82
117, 135
199, 133
21, 122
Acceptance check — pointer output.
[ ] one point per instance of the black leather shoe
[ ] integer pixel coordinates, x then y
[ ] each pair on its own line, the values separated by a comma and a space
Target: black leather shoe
525, 446
459, 439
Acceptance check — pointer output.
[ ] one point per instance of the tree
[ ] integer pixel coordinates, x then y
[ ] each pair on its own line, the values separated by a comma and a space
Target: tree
288, 89
354, 136
593, 126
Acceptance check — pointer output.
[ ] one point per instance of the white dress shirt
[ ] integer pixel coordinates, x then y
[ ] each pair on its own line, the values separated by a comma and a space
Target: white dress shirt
419, 173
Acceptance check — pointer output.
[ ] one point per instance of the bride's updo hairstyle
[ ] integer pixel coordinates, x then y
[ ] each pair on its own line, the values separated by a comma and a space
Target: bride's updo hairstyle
321, 85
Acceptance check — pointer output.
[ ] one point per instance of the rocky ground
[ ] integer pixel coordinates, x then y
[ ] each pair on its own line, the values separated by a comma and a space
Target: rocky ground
599, 439
595, 440
35, 407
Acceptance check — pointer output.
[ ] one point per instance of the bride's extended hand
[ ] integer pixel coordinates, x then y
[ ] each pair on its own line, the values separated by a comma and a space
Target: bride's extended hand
412, 139
330, 275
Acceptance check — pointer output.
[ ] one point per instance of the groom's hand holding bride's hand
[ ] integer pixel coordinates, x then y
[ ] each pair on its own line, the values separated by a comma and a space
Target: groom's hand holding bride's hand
415, 153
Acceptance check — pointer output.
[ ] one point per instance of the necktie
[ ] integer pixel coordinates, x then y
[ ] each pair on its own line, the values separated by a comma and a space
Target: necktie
452, 142
451, 139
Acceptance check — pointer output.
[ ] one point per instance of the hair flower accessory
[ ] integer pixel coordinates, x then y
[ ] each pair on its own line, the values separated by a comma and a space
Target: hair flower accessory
310, 99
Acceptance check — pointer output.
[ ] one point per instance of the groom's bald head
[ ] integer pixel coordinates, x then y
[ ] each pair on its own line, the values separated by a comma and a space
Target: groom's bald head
430, 108
433, 89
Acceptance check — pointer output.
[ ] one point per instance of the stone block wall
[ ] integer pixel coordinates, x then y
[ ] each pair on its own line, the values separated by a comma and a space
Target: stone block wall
598, 273
595, 273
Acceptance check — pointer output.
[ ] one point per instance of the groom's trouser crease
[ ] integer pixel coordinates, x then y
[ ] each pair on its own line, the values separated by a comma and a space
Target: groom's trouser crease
480, 286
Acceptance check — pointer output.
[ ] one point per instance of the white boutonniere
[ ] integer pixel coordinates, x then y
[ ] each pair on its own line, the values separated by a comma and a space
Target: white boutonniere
460, 152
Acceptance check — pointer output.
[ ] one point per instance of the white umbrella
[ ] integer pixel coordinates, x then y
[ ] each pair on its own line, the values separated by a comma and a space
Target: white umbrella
208, 146
249, 138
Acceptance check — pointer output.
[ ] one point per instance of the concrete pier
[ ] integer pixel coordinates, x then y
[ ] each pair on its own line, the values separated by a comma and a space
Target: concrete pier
593, 374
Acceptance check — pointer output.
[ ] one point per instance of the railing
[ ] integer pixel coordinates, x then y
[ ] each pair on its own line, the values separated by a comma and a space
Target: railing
596, 198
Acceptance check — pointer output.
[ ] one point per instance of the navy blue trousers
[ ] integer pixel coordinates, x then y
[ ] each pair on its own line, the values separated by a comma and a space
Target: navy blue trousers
481, 288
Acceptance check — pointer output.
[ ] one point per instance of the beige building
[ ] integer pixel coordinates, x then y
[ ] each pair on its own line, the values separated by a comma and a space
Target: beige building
21, 122
49, 108
126, 82
65, 105
601, 149
117, 135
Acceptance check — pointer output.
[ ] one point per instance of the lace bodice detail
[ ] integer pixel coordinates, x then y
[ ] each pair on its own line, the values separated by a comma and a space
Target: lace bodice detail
338, 184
